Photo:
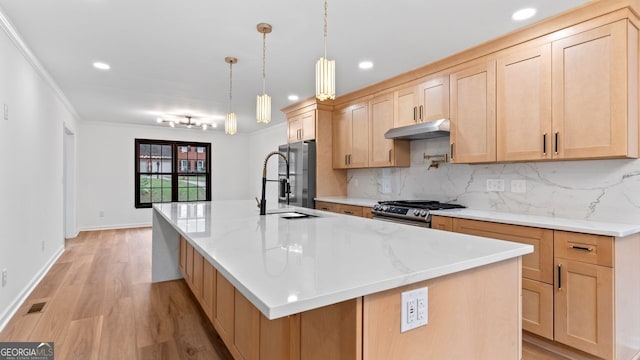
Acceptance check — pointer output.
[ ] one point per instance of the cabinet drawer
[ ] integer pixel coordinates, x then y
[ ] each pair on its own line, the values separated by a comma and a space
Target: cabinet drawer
326, 206
350, 210
591, 249
537, 308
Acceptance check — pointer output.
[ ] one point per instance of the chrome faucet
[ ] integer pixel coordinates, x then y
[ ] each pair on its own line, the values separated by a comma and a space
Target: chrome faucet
283, 182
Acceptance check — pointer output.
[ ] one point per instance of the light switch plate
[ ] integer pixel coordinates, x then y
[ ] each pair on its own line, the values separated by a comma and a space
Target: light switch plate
6, 112
518, 186
414, 309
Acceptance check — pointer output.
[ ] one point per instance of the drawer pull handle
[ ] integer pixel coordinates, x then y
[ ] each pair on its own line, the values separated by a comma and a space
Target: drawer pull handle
544, 144
559, 276
348, 212
415, 110
556, 143
583, 248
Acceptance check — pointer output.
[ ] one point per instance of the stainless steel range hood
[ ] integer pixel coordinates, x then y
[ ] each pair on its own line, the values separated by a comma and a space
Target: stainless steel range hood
425, 130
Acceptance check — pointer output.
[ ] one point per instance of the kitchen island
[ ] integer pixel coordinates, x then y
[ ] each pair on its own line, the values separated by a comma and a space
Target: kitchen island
329, 286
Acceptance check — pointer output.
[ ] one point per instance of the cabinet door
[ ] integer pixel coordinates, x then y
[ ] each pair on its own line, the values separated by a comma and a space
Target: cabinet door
584, 307
442, 223
359, 154
537, 308
225, 310
524, 105
308, 121
590, 92
406, 109
208, 289
473, 114
434, 102
341, 138
196, 279
188, 268
182, 260
381, 149
295, 129
326, 206
535, 266
246, 336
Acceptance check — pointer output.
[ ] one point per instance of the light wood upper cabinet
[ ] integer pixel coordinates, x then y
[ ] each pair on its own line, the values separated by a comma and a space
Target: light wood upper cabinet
524, 105
351, 137
426, 101
473, 113
385, 152
595, 79
302, 127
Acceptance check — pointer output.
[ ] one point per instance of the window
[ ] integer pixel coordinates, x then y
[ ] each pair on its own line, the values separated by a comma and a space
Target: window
171, 171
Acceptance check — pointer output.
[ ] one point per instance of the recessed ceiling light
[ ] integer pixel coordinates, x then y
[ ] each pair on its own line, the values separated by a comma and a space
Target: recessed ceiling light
523, 14
293, 97
101, 66
365, 65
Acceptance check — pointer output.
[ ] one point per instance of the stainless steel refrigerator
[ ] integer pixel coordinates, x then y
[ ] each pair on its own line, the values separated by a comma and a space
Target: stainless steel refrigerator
302, 173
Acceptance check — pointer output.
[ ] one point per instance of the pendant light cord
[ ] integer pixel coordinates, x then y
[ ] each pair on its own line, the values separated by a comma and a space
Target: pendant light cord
325, 28
230, 87
264, 56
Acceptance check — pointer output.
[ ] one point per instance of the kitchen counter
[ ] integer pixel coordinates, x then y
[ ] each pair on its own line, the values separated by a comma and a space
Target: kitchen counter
288, 266
547, 222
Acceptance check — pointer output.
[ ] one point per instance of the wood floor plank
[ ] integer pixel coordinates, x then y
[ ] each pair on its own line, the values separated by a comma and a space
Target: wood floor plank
153, 320
163, 351
83, 340
51, 282
54, 322
117, 343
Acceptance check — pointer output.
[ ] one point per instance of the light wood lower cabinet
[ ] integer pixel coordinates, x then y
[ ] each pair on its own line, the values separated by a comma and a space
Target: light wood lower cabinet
442, 223
537, 308
361, 211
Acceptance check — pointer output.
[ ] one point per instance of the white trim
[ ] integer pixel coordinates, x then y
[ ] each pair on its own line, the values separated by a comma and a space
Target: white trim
13, 34
113, 227
22, 297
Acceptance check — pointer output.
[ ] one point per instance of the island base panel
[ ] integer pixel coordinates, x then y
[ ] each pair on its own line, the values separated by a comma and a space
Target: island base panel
471, 314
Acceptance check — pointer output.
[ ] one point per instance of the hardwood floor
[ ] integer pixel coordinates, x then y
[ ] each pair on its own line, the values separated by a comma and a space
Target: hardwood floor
101, 304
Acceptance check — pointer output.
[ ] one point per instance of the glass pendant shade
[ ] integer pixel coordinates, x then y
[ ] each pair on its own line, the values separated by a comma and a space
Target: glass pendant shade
230, 124
263, 108
325, 79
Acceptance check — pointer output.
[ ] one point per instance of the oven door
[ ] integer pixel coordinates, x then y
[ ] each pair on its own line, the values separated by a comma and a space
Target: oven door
402, 221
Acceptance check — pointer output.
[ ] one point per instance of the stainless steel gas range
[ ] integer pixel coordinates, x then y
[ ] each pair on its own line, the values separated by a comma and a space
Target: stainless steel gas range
412, 212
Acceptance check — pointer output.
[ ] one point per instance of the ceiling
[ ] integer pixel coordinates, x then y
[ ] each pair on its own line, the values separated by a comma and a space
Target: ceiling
167, 56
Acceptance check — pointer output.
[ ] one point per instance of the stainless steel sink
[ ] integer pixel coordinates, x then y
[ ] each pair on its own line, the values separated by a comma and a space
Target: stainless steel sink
293, 215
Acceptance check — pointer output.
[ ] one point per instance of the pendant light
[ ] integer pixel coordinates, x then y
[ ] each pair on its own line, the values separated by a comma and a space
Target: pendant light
325, 70
230, 122
263, 103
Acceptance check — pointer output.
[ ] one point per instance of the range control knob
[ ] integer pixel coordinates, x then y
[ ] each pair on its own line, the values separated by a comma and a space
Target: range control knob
416, 212
376, 207
423, 213
385, 208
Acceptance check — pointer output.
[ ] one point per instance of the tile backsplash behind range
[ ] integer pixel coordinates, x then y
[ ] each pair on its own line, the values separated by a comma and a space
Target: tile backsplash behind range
602, 190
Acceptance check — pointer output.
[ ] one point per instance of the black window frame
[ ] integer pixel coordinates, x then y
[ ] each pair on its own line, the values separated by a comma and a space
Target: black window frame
175, 173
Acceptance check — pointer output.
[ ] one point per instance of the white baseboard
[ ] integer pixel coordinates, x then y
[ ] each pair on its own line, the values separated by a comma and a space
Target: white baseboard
113, 227
24, 294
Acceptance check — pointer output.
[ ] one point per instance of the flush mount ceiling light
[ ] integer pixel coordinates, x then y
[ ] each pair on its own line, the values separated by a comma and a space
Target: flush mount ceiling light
365, 65
263, 103
293, 97
101, 66
189, 121
325, 70
523, 14
230, 121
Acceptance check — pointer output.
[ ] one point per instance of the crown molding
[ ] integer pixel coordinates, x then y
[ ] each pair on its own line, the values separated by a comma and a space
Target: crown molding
13, 34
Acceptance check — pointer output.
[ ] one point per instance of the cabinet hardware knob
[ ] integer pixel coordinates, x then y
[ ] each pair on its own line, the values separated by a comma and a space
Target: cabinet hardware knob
582, 248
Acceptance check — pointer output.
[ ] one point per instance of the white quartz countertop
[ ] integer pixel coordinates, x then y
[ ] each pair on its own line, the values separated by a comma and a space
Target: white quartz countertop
547, 222
348, 200
287, 266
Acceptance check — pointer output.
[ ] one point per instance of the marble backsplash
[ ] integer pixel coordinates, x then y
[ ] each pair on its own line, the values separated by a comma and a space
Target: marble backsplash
601, 190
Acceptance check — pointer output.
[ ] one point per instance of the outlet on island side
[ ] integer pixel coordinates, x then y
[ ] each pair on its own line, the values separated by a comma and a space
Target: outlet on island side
414, 309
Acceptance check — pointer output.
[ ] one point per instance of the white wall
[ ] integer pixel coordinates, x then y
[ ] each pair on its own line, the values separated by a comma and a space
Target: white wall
31, 158
603, 190
261, 143
106, 170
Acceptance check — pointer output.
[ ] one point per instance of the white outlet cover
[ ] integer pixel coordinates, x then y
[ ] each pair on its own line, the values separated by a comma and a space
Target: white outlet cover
414, 309
495, 185
518, 186
6, 112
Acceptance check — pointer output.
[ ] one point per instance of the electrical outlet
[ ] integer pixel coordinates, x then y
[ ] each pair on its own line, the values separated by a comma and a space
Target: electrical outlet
495, 185
414, 309
4, 277
42, 245
385, 186
518, 186
6, 112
